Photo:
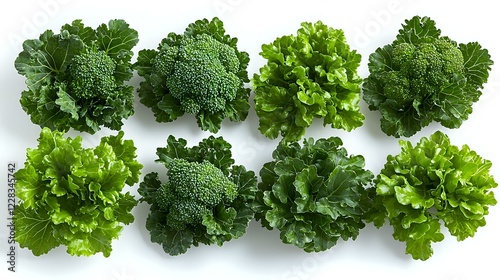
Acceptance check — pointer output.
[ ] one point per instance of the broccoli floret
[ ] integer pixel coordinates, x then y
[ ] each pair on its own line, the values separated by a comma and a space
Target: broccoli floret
201, 73
402, 53
90, 74
453, 60
397, 87
192, 191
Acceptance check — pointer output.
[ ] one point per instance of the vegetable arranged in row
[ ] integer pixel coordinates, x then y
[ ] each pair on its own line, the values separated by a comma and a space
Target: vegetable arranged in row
423, 77
206, 198
76, 79
429, 183
309, 75
314, 194
200, 72
72, 196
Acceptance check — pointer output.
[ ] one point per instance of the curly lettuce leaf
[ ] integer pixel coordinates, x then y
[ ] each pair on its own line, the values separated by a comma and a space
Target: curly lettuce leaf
313, 194
431, 184
72, 196
309, 75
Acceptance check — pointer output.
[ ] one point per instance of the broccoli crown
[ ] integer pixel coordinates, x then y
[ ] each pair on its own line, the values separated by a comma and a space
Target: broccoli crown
422, 69
201, 73
192, 191
91, 74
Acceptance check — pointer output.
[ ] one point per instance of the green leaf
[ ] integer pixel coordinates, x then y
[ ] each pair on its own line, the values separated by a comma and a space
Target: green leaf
418, 30
174, 242
298, 234
169, 108
454, 103
42, 59
399, 121
408, 195
29, 186
100, 240
67, 104
148, 187
245, 180
237, 109
461, 226
273, 106
175, 149
123, 209
220, 224
307, 182
338, 187
117, 39
209, 122
477, 63
35, 231
217, 151
126, 151
421, 237
77, 28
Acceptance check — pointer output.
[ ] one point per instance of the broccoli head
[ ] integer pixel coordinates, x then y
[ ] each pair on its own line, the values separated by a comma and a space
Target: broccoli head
421, 70
192, 191
90, 75
204, 199
200, 72
422, 77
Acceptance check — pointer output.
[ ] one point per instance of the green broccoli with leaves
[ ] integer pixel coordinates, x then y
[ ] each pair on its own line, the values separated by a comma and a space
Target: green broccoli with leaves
200, 72
191, 192
423, 77
423, 69
206, 198
76, 79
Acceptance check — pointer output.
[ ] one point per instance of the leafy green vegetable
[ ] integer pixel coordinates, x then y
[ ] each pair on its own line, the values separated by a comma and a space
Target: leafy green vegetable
200, 72
206, 198
76, 79
307, 76
423, 77
429, 183
72, 196
313, 194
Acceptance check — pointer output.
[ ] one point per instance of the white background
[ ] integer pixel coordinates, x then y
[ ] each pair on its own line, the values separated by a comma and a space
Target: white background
259, 254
